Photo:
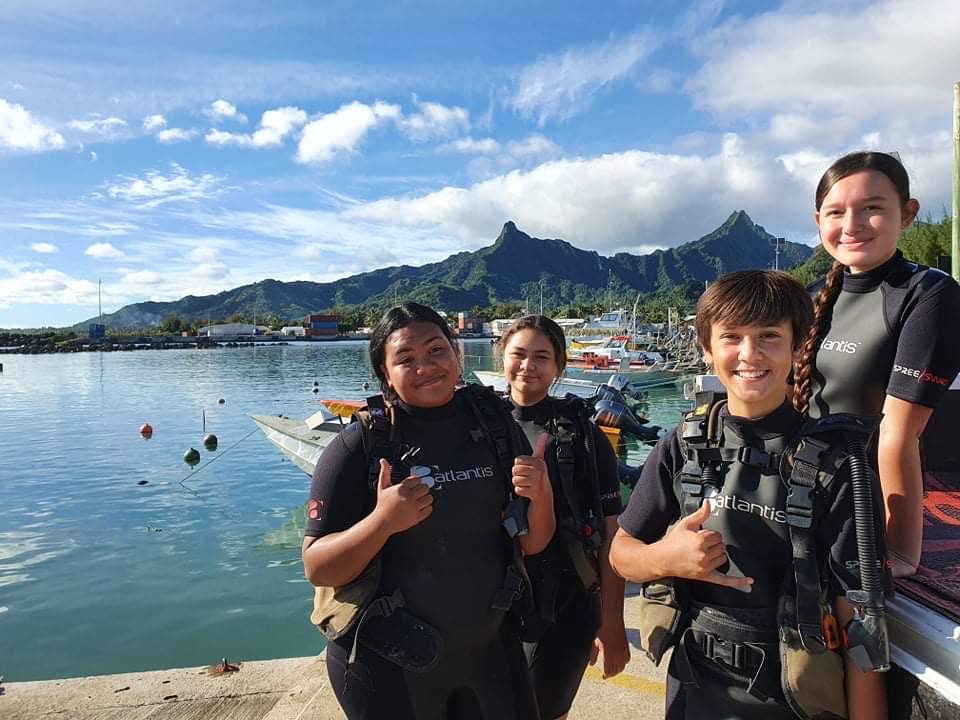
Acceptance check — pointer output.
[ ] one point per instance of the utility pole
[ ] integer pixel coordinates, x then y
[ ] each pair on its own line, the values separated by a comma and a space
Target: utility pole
777, 247
955, 244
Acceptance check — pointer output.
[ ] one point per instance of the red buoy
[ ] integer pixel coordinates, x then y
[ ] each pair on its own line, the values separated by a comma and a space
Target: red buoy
146, 430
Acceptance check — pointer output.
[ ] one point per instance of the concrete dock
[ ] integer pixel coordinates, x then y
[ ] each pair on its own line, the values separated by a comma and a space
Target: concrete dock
288, 689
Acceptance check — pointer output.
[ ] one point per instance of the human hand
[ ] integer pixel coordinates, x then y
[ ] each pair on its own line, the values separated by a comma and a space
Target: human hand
530, 479
612, 642
695, 553
404, 505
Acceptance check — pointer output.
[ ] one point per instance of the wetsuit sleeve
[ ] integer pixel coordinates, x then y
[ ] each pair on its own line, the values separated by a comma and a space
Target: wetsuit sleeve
653, 505
339, 496
837, 535
928, 349
608, 474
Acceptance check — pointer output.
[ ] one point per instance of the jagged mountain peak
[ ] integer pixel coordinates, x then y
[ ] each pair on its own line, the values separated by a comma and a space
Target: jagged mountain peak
503, 271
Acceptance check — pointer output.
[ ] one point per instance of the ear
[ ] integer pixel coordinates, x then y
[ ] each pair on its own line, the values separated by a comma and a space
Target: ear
707, 358
909, 213
816, 218
386, 374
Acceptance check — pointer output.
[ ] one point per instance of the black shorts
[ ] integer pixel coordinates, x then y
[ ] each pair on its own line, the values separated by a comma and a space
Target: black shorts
557, 661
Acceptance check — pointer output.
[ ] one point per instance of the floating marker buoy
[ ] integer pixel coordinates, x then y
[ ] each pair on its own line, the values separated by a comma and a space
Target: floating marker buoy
146, 430
221, 401
366, 386
315, 383
142, 482
316, 390
210, 441
191, 456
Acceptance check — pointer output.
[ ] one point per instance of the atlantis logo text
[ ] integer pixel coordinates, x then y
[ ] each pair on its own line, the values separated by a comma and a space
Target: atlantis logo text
840, 346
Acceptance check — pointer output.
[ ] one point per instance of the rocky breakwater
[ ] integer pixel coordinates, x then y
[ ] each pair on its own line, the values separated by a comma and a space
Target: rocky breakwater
36, 343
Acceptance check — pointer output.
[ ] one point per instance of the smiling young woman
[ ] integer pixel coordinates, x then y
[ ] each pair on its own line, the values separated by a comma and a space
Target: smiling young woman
579, 617
435, 538
883, 338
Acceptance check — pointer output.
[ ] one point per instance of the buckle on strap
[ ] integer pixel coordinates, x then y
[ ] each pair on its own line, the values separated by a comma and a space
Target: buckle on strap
759, 458
386, 604
734, 654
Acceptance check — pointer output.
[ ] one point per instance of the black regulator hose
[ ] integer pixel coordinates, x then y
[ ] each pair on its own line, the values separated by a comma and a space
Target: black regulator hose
866, 634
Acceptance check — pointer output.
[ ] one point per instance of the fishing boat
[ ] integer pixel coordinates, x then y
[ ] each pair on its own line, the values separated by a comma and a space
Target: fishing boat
582, 387
645, 378
302, 441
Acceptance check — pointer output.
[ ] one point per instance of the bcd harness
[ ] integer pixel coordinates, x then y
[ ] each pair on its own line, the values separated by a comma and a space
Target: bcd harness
581, 531
338, 610
805, 629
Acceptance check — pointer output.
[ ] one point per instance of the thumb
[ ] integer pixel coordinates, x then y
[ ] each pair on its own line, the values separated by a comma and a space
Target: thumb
694, 520
384, 481
541, 447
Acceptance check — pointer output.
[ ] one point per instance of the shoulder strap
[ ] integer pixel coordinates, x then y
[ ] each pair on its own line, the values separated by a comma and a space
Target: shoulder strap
810, 460
699, 435
379, 434
496, 425
570, 426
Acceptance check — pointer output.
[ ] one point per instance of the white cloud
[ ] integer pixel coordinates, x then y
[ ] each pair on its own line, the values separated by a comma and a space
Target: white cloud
20, 131
223, 110
275, 126
434, 121
174, 135
632, 201
152, 123
142, 277
892, 58
204, 254
342, 130
559, 86
472, 146
48, 286
44, 248
103, 250
155, 188
93, 156
532, 146
108, 127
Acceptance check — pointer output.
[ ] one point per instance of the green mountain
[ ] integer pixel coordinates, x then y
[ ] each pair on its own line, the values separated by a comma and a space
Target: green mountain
509, 270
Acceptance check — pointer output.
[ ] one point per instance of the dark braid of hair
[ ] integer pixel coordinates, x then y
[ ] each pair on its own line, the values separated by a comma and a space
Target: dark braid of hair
822, 314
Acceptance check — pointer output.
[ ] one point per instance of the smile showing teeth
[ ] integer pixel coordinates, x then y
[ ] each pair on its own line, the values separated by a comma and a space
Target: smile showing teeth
750, 374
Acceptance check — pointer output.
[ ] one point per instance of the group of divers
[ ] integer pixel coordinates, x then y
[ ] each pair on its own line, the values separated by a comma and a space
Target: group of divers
469, 551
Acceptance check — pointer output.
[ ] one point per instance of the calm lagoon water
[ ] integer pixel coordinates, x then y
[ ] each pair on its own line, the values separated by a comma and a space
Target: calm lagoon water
100, 574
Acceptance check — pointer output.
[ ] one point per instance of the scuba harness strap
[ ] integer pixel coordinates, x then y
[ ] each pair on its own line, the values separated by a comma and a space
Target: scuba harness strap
584, 531
808, 461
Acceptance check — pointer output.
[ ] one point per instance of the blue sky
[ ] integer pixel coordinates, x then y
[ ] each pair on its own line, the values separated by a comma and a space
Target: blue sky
175, 148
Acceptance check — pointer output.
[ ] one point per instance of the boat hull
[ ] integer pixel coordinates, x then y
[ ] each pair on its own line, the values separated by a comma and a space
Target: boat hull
298, 442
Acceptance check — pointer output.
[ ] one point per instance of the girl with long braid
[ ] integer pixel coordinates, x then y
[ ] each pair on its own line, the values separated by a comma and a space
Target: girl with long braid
884, 337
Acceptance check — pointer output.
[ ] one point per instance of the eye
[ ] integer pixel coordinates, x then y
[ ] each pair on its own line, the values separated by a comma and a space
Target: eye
405, 360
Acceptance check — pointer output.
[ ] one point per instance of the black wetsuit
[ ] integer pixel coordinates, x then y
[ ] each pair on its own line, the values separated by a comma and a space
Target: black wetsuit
749, 511
895, 331
562, 651
448, 567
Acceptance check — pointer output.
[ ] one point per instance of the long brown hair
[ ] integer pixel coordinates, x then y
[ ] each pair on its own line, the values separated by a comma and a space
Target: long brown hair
827, 297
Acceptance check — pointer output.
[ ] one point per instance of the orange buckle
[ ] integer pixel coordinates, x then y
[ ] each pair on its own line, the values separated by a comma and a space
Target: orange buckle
831, 632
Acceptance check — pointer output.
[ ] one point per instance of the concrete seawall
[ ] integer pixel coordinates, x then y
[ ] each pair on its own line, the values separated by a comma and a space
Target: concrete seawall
288, 689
